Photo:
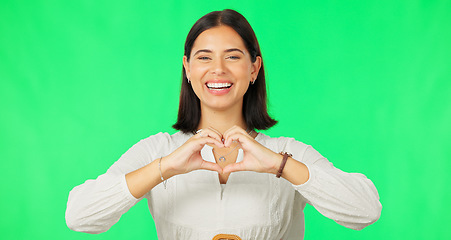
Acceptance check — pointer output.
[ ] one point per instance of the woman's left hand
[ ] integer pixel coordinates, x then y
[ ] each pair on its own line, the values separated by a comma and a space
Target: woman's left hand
256, 157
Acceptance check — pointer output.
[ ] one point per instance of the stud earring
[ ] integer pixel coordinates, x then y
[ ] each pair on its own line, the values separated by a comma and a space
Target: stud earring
188, 80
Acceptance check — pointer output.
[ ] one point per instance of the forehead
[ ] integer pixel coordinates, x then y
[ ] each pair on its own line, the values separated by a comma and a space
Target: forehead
218, 39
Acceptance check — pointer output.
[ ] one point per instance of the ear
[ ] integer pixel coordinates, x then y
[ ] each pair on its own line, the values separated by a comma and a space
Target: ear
256, 67
186, 66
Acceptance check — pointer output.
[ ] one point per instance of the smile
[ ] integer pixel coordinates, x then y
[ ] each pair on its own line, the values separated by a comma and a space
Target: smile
218, 86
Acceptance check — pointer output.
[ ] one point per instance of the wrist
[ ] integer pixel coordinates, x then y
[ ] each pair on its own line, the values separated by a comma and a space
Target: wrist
165, 168
285, 157
277, 161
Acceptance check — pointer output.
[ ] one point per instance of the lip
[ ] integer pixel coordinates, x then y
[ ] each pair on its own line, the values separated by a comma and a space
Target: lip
218, 81
218, 92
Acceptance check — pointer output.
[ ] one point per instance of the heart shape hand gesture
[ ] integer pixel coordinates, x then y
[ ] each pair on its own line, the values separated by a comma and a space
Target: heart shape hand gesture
187, 157
256, 157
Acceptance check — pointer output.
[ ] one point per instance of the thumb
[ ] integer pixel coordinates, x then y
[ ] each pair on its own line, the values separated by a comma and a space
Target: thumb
234, 167
211, 166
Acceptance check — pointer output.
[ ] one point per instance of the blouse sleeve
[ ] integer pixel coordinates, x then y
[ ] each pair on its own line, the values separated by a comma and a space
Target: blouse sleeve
96, 205
350, 199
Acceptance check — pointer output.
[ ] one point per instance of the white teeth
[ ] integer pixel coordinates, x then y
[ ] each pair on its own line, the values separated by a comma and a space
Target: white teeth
219, 85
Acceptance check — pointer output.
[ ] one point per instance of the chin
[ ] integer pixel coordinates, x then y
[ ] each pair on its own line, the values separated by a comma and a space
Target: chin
221, 105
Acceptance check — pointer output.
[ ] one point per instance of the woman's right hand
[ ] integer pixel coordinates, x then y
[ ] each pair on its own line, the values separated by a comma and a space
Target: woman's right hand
187, 157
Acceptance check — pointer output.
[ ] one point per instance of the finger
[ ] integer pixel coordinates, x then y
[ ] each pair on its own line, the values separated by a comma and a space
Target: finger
217, 132
236, 137
230, 135
211, 166
232, 130
200, 133
234, 167
207, 132
209, 140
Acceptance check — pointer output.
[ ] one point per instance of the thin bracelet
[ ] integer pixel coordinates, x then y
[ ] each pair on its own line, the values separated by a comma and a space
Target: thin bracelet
161, 175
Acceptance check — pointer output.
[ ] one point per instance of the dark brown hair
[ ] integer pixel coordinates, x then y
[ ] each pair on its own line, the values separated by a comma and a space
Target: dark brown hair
254, 102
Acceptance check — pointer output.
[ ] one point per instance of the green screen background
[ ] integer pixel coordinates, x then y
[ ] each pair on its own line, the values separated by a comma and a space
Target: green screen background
367, 83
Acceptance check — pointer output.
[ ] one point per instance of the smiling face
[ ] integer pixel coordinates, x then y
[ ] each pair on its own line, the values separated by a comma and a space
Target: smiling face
220, 68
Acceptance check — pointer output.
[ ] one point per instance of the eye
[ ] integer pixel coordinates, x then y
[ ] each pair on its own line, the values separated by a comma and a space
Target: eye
203, 58
234, 57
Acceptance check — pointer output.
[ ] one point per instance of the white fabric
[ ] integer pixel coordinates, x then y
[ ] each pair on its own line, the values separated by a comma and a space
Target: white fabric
251, 205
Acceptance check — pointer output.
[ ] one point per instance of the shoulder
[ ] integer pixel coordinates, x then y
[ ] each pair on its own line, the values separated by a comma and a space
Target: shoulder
164, 139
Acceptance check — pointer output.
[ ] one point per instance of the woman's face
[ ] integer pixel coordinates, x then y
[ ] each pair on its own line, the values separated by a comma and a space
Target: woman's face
220, 68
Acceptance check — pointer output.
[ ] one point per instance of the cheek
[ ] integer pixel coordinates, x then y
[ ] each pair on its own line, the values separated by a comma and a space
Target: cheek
243, 71
198, 70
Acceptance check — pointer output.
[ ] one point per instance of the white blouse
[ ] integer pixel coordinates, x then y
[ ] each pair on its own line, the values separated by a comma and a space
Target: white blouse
251, 205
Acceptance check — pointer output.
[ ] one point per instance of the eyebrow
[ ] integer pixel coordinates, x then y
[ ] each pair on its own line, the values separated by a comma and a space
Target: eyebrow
227, 51
233, 50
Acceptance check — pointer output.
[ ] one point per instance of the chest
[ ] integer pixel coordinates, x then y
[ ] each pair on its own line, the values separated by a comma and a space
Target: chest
248, 200
224, 158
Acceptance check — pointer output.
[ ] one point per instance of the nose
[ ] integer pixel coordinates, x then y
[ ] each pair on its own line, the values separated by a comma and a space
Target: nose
218, 67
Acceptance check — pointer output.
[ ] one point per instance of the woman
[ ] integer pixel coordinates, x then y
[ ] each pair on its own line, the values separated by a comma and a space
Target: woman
218, 175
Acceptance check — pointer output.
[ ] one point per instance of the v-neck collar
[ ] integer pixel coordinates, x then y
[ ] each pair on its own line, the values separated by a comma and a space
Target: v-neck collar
207, 154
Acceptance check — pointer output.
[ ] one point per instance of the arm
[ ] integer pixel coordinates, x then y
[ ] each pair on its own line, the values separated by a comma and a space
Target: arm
350, 199
96, 205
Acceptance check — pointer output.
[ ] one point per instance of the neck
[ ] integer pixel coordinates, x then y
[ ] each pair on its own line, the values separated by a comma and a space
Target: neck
222, 120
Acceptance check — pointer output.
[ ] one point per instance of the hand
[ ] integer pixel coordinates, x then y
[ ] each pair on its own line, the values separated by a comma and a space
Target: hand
256, 157
187, 157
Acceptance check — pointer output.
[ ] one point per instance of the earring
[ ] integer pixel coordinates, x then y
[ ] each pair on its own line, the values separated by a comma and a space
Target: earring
188, 80
252, 82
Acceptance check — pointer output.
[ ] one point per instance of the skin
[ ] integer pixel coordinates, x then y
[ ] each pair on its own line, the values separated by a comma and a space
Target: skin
218, 55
